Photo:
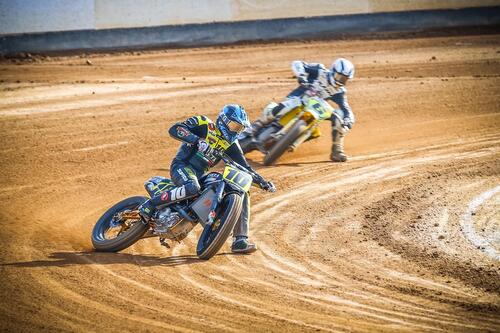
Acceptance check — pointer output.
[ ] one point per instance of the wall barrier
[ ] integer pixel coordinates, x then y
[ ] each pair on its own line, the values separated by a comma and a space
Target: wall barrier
246, 31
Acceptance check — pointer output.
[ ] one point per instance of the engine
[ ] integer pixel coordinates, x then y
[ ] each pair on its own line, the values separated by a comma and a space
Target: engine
172, 225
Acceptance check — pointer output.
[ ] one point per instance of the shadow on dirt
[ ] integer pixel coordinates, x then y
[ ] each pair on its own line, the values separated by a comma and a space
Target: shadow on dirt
63, 259
260, 165
165, 170
298, 164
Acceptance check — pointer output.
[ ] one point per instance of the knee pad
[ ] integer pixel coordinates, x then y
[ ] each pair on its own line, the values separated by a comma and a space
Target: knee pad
337, 125
291, 103
267, 113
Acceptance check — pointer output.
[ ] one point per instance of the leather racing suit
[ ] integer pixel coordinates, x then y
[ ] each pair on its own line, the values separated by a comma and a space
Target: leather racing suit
317, 77
190, 163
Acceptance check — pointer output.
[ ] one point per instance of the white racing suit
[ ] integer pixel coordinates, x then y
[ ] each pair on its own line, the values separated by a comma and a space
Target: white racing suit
317, 77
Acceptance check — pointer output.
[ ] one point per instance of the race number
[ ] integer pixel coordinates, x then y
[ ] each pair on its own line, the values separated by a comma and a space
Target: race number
237, 177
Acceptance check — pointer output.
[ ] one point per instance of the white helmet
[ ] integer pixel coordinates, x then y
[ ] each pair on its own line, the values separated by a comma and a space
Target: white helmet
342, 70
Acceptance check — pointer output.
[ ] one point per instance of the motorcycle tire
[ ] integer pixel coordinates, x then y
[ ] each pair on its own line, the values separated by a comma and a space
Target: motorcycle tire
246, 144
281, 146
124, 239
211, 240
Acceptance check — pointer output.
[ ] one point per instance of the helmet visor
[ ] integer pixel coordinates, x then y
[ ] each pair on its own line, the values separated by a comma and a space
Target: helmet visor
235, 127
340, 78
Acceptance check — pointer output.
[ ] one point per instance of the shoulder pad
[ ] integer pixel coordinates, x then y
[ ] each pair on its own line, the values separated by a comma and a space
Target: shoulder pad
203, 120
198, 121
316, 65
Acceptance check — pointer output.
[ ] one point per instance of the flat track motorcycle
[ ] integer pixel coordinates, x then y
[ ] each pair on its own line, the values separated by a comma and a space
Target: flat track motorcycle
288, 132
217, 208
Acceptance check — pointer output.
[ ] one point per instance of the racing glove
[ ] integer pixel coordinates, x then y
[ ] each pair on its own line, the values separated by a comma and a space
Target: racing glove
264, 184
268, 186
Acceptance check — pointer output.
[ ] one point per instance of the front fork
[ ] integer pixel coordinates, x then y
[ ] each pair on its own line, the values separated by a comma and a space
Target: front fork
303, 137
285, 128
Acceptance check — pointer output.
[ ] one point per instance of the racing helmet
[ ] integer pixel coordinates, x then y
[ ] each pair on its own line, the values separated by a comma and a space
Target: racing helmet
231, 121
342, 70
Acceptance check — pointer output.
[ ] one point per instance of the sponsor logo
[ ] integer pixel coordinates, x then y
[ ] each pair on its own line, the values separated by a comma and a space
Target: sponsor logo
202, 146
193, 121
207, 202
164, 196
183, 175
178, 193
182, 132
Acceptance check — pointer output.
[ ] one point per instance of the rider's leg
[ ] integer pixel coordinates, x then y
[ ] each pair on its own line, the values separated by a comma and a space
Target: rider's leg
338, 134
240, 231
277, 111
187, 185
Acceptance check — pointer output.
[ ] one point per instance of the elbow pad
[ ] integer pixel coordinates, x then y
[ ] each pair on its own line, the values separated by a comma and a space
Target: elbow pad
298, 69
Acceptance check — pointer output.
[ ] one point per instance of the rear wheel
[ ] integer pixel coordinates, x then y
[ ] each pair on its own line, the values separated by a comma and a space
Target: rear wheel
126, 229
281, 146
213, 237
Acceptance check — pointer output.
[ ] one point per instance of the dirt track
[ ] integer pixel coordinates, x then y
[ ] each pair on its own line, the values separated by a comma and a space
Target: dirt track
403, 237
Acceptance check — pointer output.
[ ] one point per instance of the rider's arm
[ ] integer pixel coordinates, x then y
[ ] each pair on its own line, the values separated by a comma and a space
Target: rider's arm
236, 154
298, 68
183, 130
341, 100
306, 72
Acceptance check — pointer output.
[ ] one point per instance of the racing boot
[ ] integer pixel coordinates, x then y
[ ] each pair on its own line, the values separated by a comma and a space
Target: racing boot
269, 114
338, 154
241, 245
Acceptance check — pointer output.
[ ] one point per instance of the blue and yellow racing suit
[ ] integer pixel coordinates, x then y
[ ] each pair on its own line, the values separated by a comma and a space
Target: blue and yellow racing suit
190, 163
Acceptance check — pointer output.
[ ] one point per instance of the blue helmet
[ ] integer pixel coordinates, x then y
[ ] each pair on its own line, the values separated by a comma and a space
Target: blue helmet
231, 121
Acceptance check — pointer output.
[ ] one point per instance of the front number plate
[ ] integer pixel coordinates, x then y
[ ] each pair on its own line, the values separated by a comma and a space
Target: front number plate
237, 177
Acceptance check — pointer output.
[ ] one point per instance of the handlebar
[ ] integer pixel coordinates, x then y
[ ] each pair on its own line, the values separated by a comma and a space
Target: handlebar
229, 160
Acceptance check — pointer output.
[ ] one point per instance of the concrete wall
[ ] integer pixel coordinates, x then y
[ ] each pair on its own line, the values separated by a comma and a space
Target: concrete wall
20, 16
29, 16
42, 26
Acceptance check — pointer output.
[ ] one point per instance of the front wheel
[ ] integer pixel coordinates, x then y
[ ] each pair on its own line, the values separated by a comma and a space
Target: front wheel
281, 146
120, 226
213, 237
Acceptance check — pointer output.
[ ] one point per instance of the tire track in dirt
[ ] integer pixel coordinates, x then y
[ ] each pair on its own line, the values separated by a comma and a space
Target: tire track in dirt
466, 223
373, 245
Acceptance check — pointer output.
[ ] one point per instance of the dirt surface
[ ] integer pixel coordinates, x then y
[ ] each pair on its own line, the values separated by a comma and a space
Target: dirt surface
404, 237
